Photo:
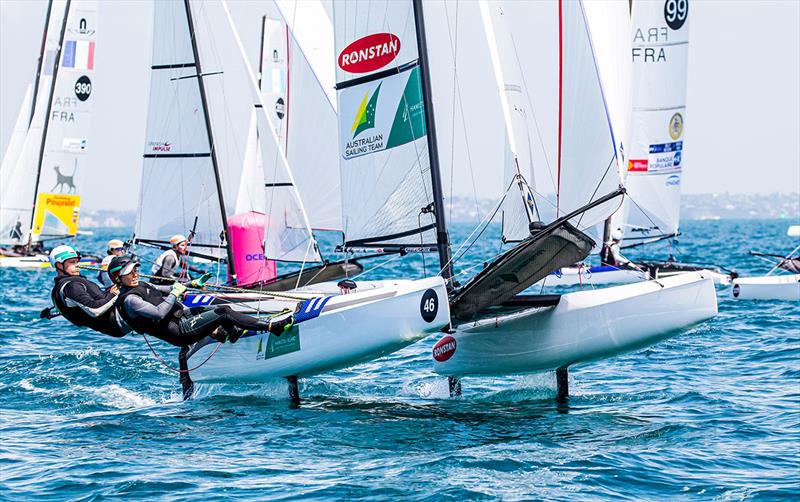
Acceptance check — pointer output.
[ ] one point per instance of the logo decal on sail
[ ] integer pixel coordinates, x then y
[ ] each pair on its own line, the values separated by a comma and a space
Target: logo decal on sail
365, 116
372, 107
637, 165
676, 126
673, 181
369, 53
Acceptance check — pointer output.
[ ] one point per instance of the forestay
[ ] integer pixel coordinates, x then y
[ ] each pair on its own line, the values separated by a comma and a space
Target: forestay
384, 160
587, 165
179, 191
660, 37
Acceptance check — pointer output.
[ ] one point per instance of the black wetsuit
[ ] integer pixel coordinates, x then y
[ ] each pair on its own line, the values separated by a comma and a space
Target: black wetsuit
84, 304
153, 310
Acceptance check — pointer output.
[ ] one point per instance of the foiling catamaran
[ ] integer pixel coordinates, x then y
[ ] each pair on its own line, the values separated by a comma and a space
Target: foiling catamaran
498, 330
47, 155
334, 326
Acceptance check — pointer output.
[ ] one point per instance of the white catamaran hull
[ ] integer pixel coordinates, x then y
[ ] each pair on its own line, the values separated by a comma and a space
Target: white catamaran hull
574, 276
350, 329
584, 326
770, 287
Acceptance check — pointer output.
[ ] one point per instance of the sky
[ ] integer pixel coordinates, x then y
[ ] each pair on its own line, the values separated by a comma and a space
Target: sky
743, 98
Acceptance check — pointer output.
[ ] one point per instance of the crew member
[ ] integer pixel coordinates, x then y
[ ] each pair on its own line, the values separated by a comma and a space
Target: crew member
157, 311
80, 300
611, 254
114, 248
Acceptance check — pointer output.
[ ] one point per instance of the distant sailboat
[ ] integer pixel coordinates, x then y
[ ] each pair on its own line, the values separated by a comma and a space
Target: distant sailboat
774, 285
46, 159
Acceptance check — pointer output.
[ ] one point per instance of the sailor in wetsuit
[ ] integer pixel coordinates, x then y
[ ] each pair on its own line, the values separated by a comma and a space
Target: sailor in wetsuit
611, 254
80, 300
173, 264
156, 310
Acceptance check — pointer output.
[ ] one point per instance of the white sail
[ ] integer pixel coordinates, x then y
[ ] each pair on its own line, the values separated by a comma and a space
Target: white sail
518, 208
251, 184
299, 107
587, 166
11, 233
179, 187
385, 165
660, 37
287, 236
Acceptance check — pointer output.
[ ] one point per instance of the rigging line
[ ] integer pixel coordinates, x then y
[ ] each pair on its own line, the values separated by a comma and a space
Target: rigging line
381, 264
643, 211
597, 187
488, 219
454, 50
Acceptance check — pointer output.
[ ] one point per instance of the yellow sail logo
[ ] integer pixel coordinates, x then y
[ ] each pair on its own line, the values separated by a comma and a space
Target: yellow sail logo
56, 215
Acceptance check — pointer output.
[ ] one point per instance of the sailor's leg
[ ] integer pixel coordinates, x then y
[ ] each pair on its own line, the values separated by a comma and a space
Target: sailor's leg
454, 383
186, 380
562, 384
294, 390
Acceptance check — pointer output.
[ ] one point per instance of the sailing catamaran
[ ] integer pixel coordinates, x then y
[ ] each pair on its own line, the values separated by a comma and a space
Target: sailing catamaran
47, 155
334, 327
499, 331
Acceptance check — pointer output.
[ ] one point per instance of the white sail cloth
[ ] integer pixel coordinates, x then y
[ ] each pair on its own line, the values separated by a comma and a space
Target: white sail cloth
384, 162
660, 38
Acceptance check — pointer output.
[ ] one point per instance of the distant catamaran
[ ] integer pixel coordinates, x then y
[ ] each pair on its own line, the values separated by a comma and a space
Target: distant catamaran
46, 159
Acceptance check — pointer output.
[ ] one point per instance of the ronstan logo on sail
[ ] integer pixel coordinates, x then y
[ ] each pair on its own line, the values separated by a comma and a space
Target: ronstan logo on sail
369, 53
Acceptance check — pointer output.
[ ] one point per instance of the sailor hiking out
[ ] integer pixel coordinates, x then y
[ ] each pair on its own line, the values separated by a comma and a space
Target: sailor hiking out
173, 264
156, 310
80, 300
114, 248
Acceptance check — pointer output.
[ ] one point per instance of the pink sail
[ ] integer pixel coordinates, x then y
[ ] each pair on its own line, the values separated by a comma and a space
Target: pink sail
246, 233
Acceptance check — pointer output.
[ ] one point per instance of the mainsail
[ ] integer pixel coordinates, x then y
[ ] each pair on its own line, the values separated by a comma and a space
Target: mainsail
660, 37
180, 191
44, 170
387, 192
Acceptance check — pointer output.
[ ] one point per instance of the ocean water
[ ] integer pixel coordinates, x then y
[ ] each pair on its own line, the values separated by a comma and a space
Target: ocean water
713, 413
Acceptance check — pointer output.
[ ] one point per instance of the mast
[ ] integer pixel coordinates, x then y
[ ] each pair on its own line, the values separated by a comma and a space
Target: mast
442, 240
41, 59
207, 118
56, 65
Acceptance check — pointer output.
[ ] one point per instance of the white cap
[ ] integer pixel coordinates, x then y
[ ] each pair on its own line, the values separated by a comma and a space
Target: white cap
177, 239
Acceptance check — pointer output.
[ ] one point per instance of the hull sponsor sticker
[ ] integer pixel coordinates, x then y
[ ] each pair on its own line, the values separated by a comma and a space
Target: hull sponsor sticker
736, 291
444, 349
369, 53
382, 114
274, 346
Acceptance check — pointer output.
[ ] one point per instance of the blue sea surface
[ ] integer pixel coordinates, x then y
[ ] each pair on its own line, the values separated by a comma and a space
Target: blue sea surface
713, 413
